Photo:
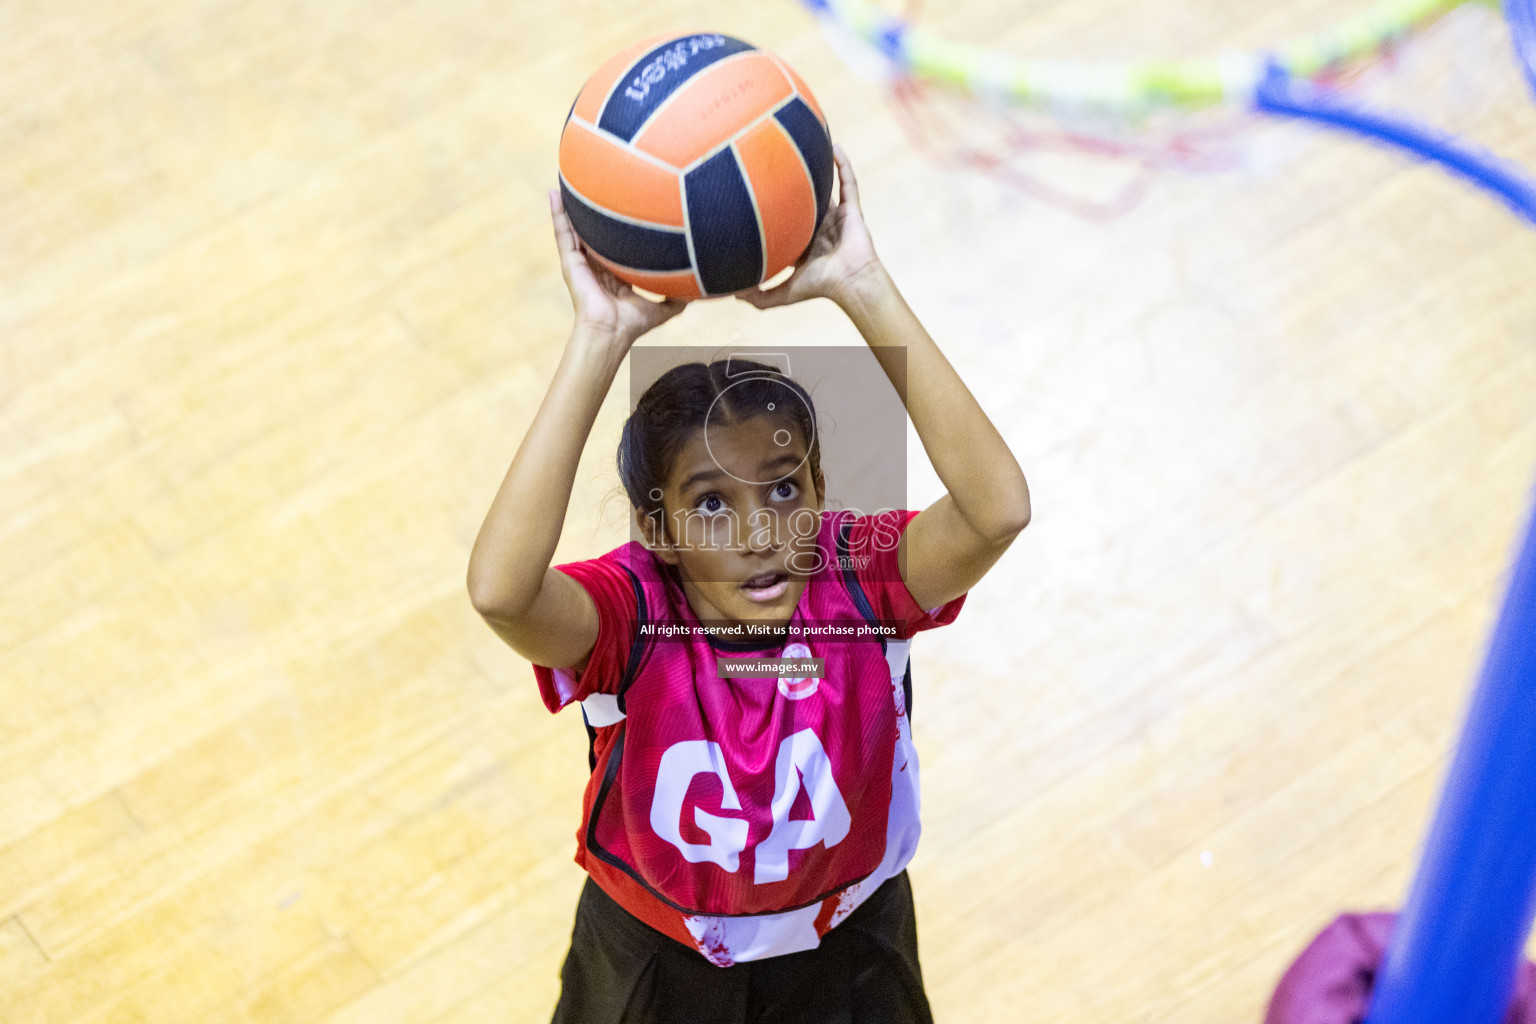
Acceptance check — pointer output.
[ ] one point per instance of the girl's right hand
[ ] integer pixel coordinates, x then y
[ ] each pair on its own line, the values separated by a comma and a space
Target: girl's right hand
601, 301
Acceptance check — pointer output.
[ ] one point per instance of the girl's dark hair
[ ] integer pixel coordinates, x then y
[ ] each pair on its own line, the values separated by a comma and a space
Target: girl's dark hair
679, 403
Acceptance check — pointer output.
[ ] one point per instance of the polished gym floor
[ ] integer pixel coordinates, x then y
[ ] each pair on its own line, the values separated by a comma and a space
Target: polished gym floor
279, 296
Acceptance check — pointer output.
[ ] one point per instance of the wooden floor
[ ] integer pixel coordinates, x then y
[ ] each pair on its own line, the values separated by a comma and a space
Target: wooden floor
278, 297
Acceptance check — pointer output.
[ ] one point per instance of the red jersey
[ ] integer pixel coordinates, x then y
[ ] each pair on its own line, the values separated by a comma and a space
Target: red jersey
745, 816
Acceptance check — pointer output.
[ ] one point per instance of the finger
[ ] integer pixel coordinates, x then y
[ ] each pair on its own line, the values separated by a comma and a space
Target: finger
850, 186
654, 314
565, 231
565, 235
608, 279
824, 228
765, 300
670, 308
775, 296
557, 208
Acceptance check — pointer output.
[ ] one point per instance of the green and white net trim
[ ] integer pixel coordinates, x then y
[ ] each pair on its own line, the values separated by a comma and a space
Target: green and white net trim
1126, 87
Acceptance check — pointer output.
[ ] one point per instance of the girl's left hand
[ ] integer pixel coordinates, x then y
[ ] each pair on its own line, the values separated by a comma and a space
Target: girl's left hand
600, 300
840, 255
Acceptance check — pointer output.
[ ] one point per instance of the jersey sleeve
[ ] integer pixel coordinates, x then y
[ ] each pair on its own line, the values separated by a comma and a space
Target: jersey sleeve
617, 612
872, 543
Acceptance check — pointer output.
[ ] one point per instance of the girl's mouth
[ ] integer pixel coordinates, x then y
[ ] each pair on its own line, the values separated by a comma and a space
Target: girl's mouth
768, 586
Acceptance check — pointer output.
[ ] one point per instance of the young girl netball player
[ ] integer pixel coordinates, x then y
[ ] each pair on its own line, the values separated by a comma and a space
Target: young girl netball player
745, 835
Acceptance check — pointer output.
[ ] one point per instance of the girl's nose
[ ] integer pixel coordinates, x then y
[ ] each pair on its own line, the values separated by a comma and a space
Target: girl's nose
765, 531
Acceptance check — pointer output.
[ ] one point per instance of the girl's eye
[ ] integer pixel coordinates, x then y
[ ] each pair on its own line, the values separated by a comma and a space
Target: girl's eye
710, 503
785, 490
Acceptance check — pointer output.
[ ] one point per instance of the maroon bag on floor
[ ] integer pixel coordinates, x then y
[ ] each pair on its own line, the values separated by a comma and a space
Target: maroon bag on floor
1330, 983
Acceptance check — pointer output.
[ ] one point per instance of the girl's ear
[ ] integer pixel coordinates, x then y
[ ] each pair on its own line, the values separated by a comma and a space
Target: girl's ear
653, 535
821, 488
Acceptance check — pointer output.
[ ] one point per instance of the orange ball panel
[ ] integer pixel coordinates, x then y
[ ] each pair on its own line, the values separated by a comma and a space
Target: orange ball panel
679, 284
803, 89
786, 202
713, 106
610, 175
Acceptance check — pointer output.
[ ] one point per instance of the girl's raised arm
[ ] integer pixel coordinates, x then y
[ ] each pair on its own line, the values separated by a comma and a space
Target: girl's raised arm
541, 613
951, 544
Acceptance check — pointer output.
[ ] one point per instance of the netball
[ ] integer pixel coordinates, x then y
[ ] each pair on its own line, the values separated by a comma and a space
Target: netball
695, 165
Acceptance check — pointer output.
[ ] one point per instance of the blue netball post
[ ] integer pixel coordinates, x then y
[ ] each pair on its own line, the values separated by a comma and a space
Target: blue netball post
1521, 15
1459, 940
1281, 93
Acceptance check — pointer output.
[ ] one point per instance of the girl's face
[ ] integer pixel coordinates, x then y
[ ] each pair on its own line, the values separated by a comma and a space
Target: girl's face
742, 514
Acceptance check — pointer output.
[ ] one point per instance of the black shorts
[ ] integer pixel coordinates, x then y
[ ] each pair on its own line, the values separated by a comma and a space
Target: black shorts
620, 970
